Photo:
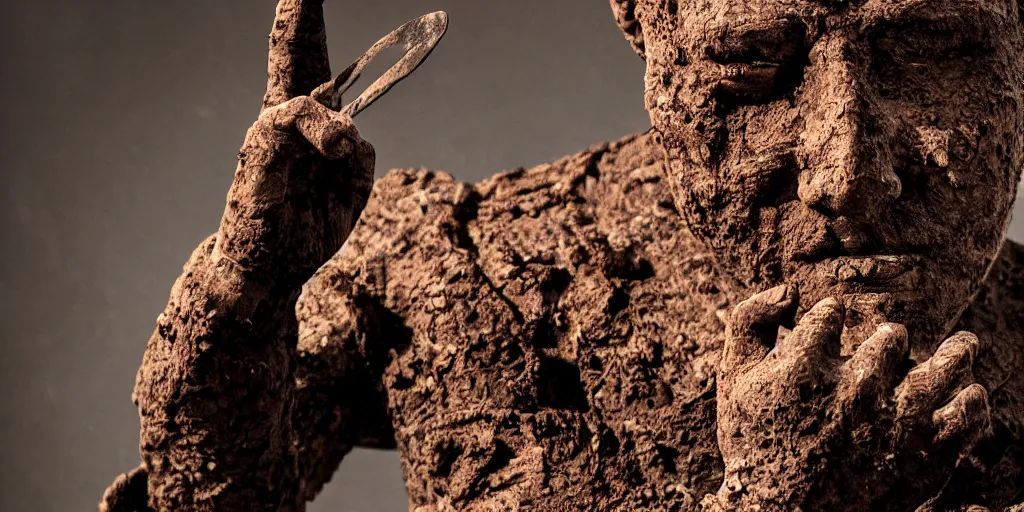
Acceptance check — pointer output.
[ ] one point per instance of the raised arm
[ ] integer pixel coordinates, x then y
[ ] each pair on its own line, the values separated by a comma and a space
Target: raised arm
216, 391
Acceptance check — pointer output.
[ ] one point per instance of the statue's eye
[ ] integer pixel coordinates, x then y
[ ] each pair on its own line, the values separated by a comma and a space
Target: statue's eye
929, 37
930, 47
756, 82
760, 61
930, 56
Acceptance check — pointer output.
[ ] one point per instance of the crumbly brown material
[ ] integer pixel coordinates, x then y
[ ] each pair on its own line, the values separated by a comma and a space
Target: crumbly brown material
557, 332
547, 346
585, 334
550, 337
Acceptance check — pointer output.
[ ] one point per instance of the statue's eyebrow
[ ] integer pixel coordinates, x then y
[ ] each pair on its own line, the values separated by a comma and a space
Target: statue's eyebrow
965, 15
757, 39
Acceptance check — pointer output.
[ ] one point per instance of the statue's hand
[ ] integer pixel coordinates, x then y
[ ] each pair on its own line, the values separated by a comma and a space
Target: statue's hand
798, 426
303, 177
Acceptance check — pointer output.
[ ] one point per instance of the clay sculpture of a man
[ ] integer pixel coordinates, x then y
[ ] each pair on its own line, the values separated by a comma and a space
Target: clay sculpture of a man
793, 293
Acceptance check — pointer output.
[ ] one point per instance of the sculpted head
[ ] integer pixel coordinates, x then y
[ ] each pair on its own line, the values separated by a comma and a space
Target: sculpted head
866, 149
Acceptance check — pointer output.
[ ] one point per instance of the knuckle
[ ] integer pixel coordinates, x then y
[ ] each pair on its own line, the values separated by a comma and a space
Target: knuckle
280, 116
965, 342
826, 311
777, 296
894, 334
743, 312
967, 414
965, 336
825, 319
301, 102
954, 362
886, 339
828, 304
294, 105
884, 348
747, 313
761, 306
975, 397
970, 405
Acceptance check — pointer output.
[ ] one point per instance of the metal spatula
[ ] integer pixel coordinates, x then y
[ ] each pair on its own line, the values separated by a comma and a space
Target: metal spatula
418, 37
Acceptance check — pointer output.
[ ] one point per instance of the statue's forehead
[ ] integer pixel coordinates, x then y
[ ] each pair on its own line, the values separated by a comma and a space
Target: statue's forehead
866, 11
716, 17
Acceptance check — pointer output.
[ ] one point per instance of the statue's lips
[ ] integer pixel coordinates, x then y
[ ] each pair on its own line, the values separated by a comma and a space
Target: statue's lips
847, 261
879, 270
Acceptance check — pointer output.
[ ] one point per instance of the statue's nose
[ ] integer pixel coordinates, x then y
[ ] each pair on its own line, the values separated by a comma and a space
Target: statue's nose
847, 161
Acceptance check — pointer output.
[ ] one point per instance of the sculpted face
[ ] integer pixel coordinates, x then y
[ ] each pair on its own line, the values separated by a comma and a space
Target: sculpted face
869, 150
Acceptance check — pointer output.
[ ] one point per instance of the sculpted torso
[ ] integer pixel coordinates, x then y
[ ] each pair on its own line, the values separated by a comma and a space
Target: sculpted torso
793, 293
555, 335
555, 331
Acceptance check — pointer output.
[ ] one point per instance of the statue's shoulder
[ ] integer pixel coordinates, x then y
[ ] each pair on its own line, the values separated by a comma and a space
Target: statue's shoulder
347, 300
997, 316
603, 218
1008, 270
409, 209
998, 308
615, 190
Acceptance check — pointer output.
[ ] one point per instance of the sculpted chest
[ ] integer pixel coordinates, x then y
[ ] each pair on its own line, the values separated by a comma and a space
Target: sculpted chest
531, 373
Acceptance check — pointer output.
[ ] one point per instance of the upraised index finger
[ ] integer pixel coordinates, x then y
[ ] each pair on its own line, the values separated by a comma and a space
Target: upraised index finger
297, 60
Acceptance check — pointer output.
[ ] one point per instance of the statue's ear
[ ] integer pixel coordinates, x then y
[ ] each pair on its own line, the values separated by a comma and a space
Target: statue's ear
625, 16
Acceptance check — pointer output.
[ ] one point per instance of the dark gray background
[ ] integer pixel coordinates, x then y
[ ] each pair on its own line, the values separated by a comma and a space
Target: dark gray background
121, 120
